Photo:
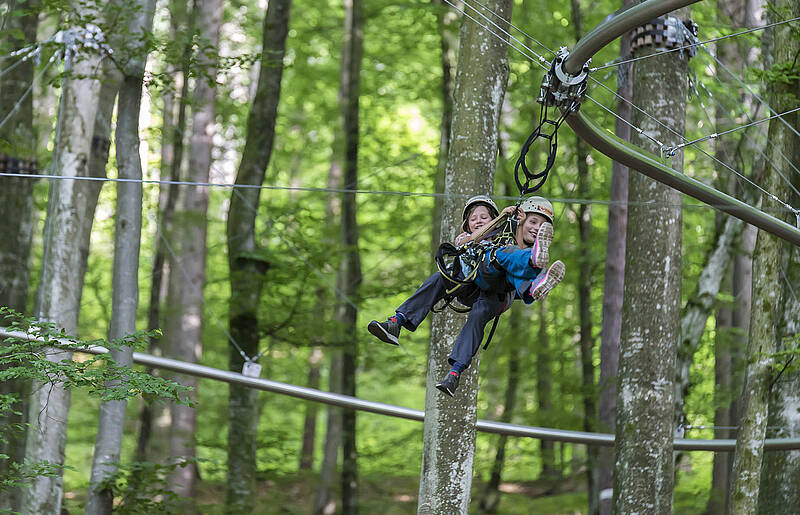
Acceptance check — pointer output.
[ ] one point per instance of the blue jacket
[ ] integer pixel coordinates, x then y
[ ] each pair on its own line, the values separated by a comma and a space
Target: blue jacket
507, 269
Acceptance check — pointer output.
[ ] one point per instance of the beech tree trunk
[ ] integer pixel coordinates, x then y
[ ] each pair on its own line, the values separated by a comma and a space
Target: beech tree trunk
614, 284
643, 476
152, 442
17, 213
449, 430
127, 237
184, 328
247, 267
79, 151
766, 312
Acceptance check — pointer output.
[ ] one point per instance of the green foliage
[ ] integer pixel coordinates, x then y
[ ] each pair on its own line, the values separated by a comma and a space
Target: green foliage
143, 488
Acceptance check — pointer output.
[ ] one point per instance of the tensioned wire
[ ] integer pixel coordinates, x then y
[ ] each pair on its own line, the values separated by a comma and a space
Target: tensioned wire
640, 131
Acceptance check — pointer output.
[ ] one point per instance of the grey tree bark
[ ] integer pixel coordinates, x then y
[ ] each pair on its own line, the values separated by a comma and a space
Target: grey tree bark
246, 266
446, 20
614, 284
643, 475
127, 238
152, 440
550, 472
184, 327
79, 151
767, 301
18, 137
780, 472
449, 430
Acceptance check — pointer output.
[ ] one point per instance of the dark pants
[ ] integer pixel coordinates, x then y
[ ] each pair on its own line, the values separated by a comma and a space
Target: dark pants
434, 289
484, 309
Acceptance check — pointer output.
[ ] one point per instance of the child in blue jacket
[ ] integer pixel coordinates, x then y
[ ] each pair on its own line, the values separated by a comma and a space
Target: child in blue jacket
503, 275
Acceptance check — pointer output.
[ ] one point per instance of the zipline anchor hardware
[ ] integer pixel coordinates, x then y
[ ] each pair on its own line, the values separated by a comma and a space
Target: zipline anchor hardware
251, 369
666, 34
562, 89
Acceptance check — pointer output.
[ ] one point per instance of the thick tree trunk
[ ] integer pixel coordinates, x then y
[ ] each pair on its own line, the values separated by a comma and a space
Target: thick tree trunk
643, 476
491, 494
85, 102
780, 473
246, 267
449, 430
127, 237
184, 329
614, 284
766, 313
446, 20
17, 212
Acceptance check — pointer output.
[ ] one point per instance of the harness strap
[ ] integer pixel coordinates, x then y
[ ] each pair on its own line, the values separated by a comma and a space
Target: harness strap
491, 332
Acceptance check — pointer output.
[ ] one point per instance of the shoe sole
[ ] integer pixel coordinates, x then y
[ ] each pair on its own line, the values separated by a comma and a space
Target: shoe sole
380, 333
443, 389
552, 277
541, 247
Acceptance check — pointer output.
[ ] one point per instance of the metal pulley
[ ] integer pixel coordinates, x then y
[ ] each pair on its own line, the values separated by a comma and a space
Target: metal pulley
562, 89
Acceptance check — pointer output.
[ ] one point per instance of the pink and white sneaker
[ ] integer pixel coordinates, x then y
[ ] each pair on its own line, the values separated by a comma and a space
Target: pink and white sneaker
540, 252
546, 281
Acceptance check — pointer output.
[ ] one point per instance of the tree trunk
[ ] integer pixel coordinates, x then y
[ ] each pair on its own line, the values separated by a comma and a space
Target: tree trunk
184, 329
614, 284
780, 473
17, 212
449, 430
491, 494
544, 396
350, 269
127, 237
446, 19
246, 266
312, 408
85, 102
152, 440
766, 313
324, 502
643, 475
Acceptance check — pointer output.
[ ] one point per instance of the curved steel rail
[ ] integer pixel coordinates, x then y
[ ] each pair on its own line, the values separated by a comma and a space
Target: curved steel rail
346, 401
645, 162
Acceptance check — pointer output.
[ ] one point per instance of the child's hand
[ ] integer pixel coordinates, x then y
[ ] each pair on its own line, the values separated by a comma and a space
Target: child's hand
510, 212
461, 238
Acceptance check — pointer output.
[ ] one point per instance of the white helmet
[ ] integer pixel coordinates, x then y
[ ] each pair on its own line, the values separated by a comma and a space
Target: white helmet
472, 202
538, 205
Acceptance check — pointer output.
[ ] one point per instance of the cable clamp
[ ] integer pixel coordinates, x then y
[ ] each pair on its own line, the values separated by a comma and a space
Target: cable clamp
251, 369
562, 89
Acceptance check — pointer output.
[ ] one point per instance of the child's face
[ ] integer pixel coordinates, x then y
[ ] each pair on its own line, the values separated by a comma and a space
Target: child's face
530, 228
478, 217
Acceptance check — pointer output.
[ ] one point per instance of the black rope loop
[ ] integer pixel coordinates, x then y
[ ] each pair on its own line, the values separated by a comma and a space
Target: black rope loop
534, 181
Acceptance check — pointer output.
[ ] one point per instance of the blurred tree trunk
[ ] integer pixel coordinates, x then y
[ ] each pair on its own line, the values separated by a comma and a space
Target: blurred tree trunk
446, 21
544, 396
85, 102
324, 502
491, 494
766, 315
585, 298
780, 473
449, 431
184, 327
17, 155
614, 284
246, 266
349, 280
312, 408
127, 238
152, 442
643, 475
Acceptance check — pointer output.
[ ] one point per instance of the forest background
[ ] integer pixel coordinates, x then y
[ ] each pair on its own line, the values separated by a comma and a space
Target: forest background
204, 78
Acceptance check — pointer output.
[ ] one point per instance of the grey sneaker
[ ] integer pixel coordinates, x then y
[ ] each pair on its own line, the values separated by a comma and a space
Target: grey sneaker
546, 281
449, 384
388, 331
540, 252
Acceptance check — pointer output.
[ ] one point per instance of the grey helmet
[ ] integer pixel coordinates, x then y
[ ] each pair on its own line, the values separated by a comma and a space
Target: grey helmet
477, 200
538, 205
